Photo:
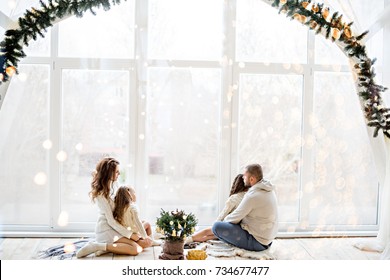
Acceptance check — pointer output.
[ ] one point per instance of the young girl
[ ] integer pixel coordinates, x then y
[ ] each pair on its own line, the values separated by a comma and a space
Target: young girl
126, 213
237, 192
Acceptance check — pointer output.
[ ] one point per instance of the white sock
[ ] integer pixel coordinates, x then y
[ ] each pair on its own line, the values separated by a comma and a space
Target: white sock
100, 252
188, 240
91, 247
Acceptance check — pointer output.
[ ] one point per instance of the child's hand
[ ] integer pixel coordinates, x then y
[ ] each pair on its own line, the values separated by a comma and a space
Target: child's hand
145, 243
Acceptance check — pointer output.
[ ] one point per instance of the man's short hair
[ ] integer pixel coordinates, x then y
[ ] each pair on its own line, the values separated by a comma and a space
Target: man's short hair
255, 170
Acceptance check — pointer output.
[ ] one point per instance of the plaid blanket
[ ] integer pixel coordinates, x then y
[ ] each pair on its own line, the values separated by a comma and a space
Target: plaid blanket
64, 251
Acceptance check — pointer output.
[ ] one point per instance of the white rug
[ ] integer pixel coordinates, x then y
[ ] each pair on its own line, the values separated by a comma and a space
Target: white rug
218, 248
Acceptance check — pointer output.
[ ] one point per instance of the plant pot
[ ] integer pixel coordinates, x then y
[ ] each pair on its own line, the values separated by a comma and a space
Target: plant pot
172, 250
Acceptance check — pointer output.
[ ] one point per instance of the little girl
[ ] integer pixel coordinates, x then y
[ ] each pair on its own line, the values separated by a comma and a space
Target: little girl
126, 213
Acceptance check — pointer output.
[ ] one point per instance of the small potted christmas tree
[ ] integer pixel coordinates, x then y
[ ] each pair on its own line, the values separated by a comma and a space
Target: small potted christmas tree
175, 226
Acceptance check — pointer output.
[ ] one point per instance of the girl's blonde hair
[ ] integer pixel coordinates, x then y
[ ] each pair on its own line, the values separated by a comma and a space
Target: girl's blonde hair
102, 178
122, 202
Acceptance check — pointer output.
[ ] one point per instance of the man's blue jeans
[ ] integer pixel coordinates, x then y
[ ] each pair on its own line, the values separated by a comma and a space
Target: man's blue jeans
235, 235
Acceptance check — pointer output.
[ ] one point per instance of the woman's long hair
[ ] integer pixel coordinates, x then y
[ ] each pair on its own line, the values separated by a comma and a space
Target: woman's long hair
238, 185
103, 177
122, 202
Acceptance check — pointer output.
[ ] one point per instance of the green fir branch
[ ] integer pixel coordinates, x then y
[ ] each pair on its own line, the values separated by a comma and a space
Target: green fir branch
365, 69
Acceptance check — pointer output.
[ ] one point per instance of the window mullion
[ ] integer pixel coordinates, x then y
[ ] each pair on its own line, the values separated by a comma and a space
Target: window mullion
140, 100
229, 101
307, 170
55, 130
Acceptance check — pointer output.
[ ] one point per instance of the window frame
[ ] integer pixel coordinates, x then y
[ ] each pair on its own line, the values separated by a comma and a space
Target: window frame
229, 114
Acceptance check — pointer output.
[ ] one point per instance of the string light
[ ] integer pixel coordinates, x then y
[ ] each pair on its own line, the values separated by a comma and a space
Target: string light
47, 144
63, 219
79, 146
61, 156
10, 71
40, 178
336, 33
12, 4
69, 248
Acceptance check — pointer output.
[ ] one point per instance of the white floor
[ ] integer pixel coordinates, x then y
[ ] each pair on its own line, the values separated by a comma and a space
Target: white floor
282, 249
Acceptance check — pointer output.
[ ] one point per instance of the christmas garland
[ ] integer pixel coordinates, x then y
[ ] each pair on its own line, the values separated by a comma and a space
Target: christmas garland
318, 18
315, 16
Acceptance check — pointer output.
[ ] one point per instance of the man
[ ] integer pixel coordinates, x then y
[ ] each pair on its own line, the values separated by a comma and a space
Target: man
254, 223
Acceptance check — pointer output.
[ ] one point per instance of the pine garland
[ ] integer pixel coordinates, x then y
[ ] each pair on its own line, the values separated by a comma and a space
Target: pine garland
316, 16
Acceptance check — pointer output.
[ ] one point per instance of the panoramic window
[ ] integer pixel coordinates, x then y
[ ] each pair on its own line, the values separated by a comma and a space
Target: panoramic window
185, 94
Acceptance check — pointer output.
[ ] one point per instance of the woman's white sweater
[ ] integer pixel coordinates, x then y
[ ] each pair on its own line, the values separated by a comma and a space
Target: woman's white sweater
230, 205
106, 223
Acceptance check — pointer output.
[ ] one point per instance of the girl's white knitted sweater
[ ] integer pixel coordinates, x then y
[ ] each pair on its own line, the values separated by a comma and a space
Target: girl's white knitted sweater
131, 221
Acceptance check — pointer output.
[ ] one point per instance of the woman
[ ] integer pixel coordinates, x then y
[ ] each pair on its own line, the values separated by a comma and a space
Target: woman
111, 236
237, 192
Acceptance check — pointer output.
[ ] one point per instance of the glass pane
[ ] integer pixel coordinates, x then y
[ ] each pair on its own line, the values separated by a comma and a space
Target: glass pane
109, 34
263, 35
95, 124
24, 174
182, 141
375, 49
327, 52
345, 179
16, 8
185, 29
40, 46
270, 133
